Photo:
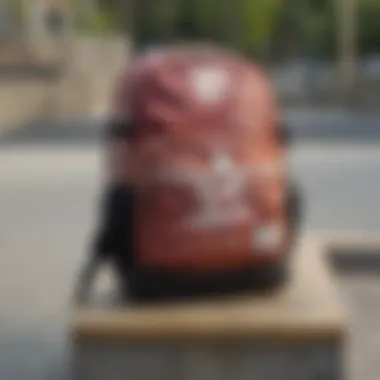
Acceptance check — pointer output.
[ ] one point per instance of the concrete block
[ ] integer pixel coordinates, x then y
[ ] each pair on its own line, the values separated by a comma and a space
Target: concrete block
297, 333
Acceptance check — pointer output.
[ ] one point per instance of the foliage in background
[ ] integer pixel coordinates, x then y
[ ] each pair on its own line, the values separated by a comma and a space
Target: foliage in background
99, 17
155, 24
258, 27
315, 23
209, 17
17, 11
369, 26
99, 23
258, 21
249, 24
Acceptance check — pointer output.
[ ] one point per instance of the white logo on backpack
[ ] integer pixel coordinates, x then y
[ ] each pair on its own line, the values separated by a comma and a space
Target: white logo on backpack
225, 182
210, 84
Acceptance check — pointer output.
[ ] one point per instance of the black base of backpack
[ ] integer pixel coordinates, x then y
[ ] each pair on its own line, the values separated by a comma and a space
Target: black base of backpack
148, 285
151, 286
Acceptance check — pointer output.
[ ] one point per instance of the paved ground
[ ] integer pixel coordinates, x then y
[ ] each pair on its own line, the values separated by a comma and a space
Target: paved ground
47, 197
333, 124
362, 295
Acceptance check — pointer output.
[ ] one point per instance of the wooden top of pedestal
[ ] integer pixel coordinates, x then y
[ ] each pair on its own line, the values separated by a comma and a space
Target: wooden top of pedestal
307, 309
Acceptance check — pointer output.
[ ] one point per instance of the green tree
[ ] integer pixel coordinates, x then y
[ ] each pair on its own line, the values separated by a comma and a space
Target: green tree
369, 26
258, 21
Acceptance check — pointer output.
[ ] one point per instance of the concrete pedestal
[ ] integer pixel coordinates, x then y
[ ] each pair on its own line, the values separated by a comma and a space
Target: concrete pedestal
296, 334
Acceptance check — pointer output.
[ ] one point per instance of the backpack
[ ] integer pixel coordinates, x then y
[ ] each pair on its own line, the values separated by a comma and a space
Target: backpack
199, 161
